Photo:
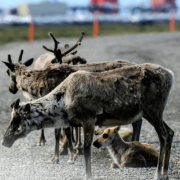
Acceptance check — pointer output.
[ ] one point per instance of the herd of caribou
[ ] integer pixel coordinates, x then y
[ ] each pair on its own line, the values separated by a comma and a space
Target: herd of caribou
66, 92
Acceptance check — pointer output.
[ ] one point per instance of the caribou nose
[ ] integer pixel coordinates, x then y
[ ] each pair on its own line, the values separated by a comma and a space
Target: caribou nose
96, 144
12, 91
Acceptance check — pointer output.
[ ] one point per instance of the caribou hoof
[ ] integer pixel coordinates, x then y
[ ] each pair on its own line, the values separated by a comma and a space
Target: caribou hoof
161, 178
70, 161
114, 165
55, 160
72, 158
63, 151
42, 144
42, 141
78, 151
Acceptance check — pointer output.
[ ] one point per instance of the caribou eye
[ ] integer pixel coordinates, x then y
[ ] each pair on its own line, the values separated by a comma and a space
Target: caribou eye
105, 136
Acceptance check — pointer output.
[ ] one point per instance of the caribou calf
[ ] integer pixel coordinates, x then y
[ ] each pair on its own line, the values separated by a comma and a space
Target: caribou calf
117, 97
131, 154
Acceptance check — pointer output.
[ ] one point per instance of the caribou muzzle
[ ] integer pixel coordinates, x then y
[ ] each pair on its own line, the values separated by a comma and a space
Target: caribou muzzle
13, 90
7, 142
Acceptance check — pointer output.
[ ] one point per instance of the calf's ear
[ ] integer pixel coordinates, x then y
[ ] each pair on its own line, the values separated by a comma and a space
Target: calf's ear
15, 104
116, 129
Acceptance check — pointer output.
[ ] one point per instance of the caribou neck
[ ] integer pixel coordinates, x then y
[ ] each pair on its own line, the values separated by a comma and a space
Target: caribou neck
46, 113
118, 146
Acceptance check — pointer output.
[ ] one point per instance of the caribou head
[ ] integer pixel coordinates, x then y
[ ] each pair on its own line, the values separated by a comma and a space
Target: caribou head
57, 52
17, 127
13, 69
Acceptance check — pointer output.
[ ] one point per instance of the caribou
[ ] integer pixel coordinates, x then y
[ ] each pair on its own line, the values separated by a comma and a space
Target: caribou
112, 98
126, 154
43, 61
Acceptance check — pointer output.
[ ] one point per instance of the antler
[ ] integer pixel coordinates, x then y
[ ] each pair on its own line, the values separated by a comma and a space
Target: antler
57, 52
55, 44
20, 56
9, 59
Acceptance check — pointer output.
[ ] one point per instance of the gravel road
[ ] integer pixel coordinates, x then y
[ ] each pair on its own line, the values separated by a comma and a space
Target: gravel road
27, 161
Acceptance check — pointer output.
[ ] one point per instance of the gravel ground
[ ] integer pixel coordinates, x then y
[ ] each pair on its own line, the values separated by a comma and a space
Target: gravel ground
26, 160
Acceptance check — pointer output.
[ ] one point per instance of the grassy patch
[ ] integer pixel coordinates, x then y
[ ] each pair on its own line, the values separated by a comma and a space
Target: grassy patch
20, 33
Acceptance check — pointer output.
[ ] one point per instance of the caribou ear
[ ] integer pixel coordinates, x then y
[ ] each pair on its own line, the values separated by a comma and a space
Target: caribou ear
116, 129
15, 104
10, 66
54, 61
12, 105
28, 62
27, 108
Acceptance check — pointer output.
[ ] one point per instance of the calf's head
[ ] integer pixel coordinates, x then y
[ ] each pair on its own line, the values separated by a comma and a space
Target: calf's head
18, 127
14, 69
106, 137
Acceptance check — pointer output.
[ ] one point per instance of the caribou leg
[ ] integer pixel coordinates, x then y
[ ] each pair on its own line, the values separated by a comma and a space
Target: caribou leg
55, 158
136, 130
78, 145
42, 138
88, 138
167, 149
64, 144
69, 138
165, 135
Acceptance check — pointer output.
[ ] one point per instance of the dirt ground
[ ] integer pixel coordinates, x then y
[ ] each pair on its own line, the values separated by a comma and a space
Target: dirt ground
26, 160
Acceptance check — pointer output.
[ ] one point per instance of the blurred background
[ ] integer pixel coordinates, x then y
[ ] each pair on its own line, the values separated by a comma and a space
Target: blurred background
20, 19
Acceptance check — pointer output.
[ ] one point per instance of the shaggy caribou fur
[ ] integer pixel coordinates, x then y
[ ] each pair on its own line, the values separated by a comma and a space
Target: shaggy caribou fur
44, 60
86, 99
126, 154
35, 84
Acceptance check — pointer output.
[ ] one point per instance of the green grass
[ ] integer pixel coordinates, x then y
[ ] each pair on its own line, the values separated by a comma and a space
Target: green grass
20, 33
